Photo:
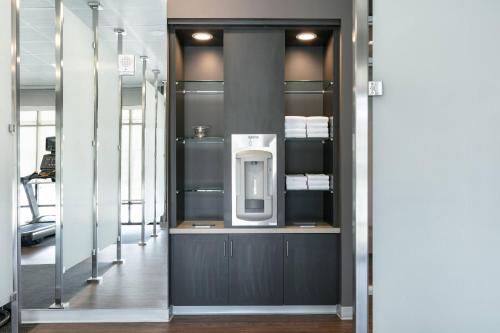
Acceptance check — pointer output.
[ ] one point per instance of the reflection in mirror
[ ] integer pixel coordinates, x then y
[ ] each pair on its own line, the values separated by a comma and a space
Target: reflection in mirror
113, 191
37, 198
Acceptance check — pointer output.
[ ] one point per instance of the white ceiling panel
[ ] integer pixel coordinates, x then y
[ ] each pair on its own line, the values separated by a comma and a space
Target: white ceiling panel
143, 20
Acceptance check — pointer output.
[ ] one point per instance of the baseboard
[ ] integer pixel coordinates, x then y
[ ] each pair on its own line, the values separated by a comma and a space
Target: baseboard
254, 310
344, 312
95, 316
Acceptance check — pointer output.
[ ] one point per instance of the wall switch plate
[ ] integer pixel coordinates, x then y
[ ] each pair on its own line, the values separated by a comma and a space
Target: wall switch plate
375, 88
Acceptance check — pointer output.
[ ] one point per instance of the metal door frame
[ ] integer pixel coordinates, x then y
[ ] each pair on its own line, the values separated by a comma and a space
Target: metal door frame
361, 162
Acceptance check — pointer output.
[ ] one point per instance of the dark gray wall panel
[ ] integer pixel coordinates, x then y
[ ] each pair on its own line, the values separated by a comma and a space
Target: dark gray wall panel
304, 206
254, 96
304, 63
203, 206
203, 63
286, 9
304, 157
304, 105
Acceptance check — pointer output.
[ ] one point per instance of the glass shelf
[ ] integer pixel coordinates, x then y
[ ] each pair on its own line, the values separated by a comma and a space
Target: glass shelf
322, 140
205, 140
199, 87
203, 189
308, 87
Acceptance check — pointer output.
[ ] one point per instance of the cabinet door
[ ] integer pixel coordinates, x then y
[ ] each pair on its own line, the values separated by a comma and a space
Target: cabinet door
311, 269
256, 269
199, 270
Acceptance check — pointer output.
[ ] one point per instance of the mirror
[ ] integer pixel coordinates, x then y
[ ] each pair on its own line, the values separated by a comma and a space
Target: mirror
110, 165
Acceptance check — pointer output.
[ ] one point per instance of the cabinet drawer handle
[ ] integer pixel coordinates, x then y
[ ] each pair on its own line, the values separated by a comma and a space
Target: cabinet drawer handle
230, 248
287, 248
225, 248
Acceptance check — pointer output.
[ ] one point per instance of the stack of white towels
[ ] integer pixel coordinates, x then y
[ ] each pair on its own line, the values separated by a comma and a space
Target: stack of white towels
306, 127
295, 127
313, 182
296, 182
317, 127
318, 182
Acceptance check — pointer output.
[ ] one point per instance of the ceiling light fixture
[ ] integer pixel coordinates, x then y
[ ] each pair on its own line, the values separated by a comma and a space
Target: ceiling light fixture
202, 36
305, 36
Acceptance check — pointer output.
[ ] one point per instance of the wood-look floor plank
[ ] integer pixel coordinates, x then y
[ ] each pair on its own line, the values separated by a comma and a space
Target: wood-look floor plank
215, 324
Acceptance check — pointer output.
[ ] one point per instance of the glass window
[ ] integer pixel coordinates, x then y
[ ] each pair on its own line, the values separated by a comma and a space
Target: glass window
35, 127
131, 165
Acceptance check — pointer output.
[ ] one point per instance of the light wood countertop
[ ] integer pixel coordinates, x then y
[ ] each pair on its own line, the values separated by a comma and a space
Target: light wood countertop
217, 227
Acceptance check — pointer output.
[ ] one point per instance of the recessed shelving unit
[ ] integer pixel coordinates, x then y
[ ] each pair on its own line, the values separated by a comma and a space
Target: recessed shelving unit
310, 90
198, 100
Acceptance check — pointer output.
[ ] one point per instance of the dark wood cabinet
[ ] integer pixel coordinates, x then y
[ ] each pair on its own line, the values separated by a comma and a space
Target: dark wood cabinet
199, 270
256, 269
311, 269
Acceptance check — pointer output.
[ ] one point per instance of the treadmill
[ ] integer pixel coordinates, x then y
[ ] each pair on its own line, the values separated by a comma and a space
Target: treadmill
40, 226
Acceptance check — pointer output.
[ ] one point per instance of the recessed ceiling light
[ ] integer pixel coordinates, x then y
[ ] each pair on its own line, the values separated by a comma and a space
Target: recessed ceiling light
202, 36
307, 36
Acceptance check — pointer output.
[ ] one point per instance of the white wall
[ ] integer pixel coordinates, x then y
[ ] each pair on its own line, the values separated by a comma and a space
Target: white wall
436, 199
108, 154
7, 167
77, 149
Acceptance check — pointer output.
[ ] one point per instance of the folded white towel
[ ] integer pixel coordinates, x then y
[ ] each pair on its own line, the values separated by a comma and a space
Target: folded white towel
317, 176
296, 182
317, 120
295, 187
318, 182
295, 130
317, 127
299, 176
295, 121
294, 127
295, 133
318, 135
295, 118
319, 188
324, 131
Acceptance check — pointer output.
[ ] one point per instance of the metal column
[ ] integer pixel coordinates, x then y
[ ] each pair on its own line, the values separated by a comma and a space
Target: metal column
95, 145
360, 202
166, 152
155, 72
118, 260
58, 290
143, 147
16, 246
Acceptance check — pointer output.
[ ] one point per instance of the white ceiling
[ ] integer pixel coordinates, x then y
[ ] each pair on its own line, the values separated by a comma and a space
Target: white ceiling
143, 20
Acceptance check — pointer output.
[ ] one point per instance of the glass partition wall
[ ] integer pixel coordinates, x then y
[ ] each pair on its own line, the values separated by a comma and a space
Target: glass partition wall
92, 161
